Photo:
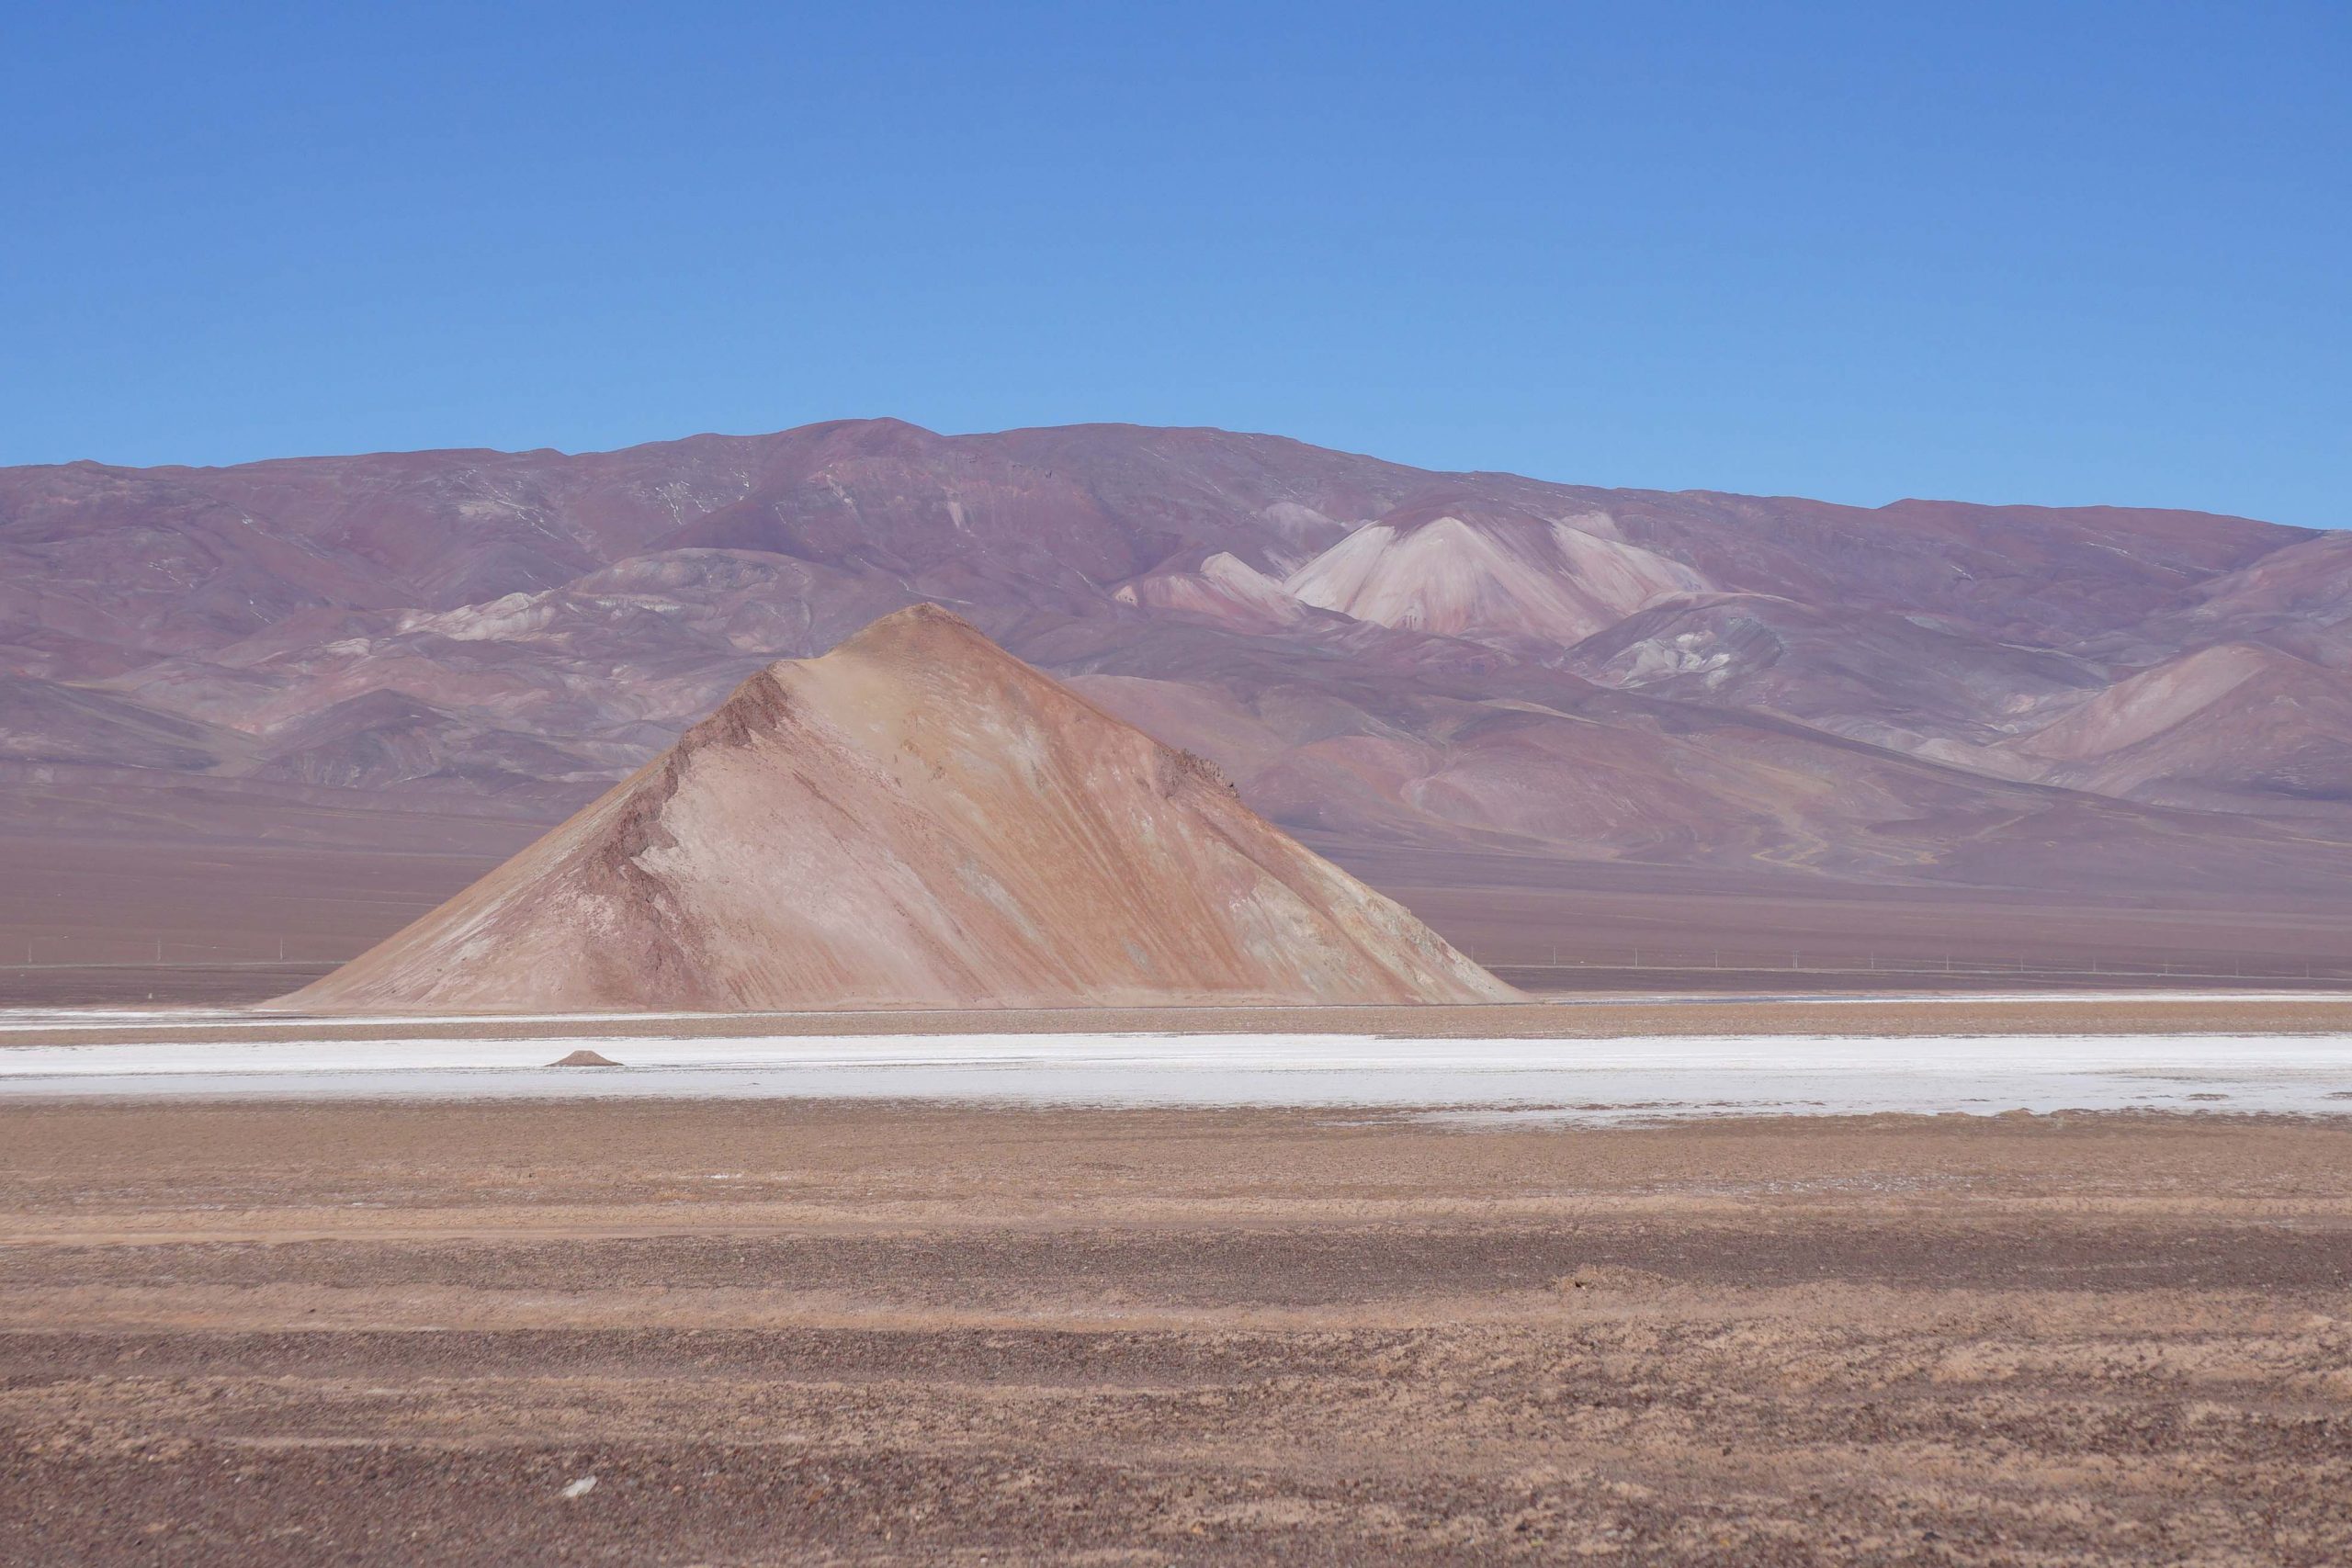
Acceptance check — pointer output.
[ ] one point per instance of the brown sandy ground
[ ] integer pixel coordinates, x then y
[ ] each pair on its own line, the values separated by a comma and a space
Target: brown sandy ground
1586, 1017
861, 1333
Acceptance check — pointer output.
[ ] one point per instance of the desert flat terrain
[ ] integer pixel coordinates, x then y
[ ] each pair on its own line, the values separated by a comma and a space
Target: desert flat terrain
1603, 1016
821, 1332
1592, 1063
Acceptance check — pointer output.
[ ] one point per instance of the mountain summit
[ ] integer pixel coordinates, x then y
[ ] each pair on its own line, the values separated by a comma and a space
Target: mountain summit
915, 819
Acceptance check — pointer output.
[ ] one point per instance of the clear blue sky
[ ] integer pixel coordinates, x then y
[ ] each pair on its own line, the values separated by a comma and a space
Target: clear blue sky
2050, 252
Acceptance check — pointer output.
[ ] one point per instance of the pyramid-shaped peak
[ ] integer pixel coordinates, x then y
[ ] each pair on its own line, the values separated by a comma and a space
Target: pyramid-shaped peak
917, 819
922, 618
922, 631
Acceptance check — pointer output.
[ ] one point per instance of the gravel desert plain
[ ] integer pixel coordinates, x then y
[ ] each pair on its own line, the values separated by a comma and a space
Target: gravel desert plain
1987, 1278
862, 1332
1112, 996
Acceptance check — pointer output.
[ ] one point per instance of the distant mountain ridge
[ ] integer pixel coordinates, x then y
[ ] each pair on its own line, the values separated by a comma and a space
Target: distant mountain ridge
1377, 655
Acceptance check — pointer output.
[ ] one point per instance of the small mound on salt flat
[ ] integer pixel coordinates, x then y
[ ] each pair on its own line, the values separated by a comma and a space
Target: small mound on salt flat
584, 1058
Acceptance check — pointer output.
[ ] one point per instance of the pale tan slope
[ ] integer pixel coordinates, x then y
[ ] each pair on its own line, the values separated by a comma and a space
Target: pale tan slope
915, 819
1220, 588
1489, 575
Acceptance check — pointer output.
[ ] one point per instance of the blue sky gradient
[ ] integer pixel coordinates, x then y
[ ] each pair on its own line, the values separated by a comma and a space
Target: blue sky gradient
2051, 252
